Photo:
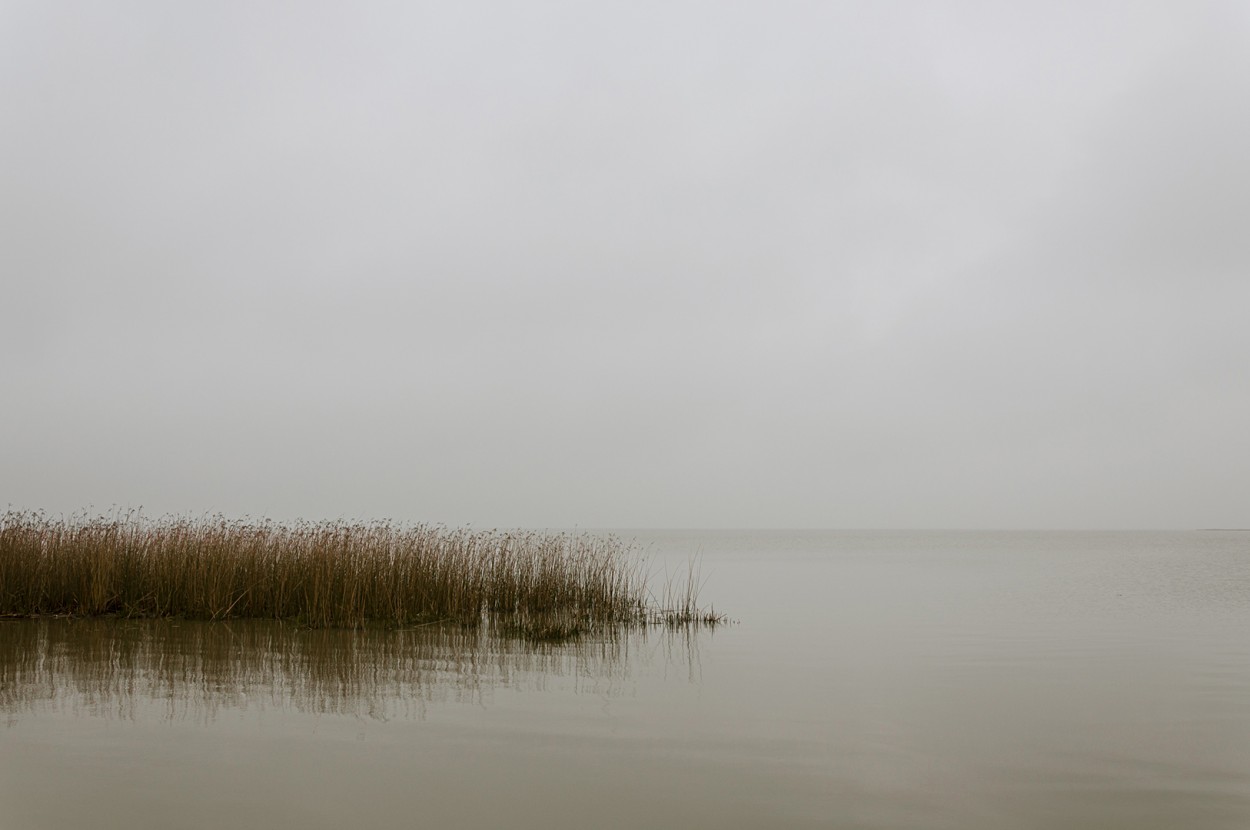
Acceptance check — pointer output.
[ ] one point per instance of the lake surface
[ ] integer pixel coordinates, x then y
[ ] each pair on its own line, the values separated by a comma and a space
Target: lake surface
872, 680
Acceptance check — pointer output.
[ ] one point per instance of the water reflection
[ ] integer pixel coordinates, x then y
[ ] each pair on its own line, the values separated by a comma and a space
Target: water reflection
177, 670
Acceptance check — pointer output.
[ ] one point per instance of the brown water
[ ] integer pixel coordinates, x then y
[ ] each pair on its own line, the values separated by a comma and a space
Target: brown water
919, 680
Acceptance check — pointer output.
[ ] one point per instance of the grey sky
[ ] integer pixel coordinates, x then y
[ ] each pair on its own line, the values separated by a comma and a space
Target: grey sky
963, 264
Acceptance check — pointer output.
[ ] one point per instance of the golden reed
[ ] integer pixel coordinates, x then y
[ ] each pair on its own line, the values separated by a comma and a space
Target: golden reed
322, 574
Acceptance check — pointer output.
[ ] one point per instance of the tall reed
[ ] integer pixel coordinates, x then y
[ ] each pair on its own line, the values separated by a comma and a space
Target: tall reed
326, 574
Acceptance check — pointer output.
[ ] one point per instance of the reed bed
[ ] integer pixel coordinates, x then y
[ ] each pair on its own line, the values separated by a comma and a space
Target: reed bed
323, 574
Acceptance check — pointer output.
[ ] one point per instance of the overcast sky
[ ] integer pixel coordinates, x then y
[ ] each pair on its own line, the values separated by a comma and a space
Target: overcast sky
638, 264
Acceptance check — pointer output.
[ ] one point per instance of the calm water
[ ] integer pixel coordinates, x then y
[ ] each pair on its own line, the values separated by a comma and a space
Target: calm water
873, 680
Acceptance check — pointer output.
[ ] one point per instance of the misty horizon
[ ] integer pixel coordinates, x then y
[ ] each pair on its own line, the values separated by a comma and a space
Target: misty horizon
686, 265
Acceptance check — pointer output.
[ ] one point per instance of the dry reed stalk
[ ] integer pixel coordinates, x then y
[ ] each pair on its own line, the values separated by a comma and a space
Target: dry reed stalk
328, 574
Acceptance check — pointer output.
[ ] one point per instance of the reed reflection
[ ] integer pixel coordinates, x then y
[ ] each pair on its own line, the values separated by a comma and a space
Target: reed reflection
179, 670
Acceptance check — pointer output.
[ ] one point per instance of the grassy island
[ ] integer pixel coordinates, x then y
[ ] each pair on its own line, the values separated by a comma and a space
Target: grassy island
328, 574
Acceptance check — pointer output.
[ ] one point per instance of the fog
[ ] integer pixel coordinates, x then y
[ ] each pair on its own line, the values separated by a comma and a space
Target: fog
680, 264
